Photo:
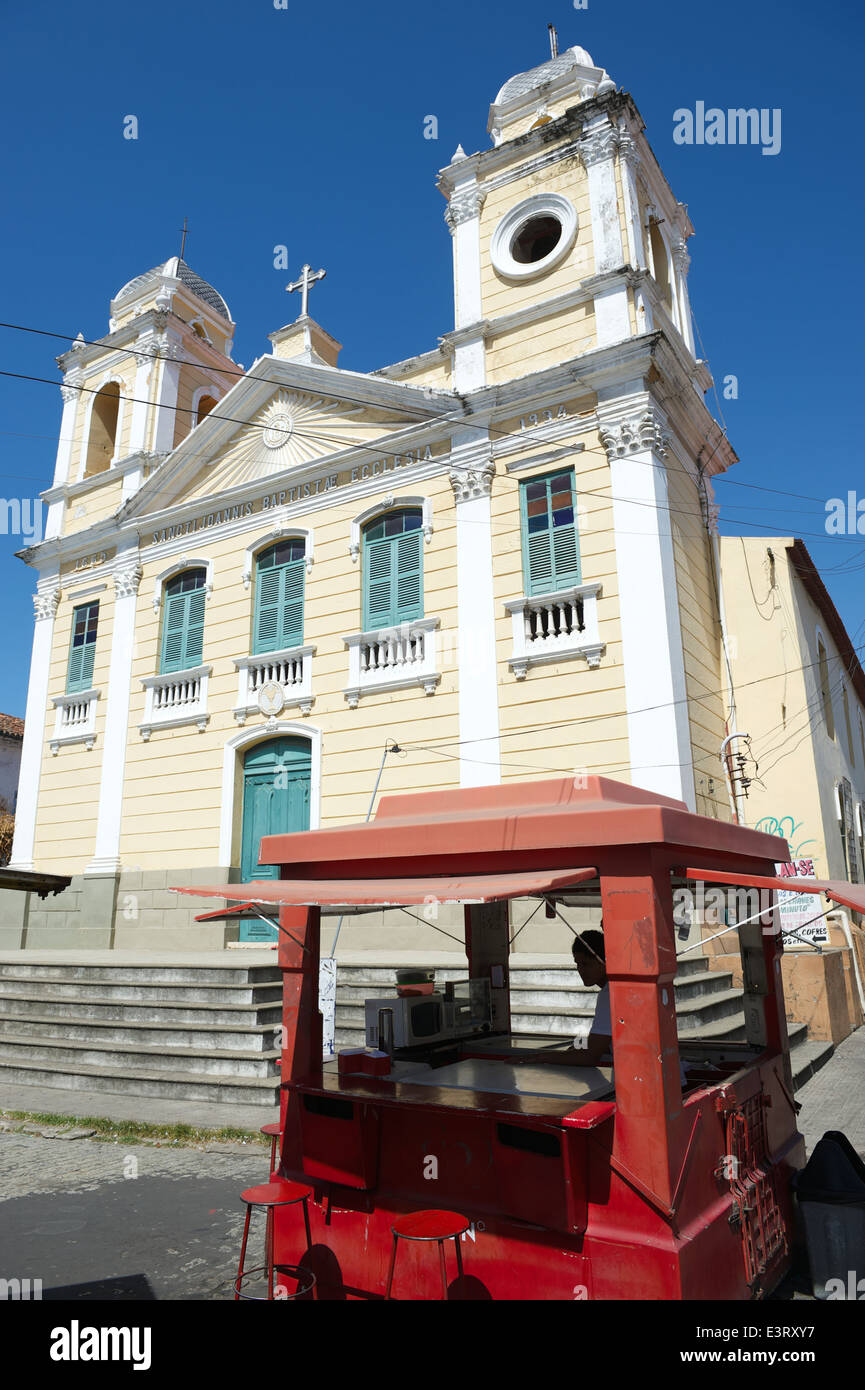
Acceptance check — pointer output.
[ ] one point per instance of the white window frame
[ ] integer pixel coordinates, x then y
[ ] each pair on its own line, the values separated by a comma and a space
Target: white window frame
187, 562
390, 503
280, 533
232, 802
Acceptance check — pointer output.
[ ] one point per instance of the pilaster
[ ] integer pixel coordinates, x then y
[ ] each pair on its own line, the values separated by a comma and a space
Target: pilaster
463, 218
45, 602
634, 433
471, 477
598, 152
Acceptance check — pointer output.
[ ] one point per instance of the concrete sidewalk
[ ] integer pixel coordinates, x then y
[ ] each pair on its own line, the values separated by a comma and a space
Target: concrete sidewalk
835, 1097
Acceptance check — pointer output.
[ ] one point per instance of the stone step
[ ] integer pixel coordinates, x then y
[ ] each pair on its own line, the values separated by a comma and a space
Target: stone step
134, 991
705, 1009
125, 1060
177, 1085
99, 1009
806, 1058
232, 974
243, 1038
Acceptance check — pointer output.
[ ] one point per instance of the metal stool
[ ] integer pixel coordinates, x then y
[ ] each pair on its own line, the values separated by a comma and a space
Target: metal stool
274, 1132
278, 1193
429, 1225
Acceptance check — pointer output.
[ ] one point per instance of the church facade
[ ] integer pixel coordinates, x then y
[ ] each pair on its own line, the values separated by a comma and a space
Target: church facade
263, 593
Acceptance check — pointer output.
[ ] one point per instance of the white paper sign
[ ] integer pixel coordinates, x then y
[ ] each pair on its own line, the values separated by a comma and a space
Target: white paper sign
798, 908
327, 1002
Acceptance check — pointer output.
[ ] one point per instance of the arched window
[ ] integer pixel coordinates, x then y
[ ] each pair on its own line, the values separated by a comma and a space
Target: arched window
660, 264
392, 569
279, 584
103, 429
205, 405
183, 621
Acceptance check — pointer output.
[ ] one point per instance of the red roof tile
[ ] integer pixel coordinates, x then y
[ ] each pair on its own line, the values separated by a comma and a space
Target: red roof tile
11, 725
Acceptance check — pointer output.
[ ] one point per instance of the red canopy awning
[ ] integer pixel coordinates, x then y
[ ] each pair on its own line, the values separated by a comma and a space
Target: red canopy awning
395, 892
848, 894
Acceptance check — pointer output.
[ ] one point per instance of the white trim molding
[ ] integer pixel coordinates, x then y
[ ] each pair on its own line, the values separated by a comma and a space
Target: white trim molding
74, 719
290, 669
636, 438
279, 533
174, 699
555, 627
538, 205
390, 504
231, 812
392, 658
45, 602
186, 562
472, 473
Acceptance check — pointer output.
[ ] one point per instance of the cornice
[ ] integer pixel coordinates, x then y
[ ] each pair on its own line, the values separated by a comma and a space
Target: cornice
486, 164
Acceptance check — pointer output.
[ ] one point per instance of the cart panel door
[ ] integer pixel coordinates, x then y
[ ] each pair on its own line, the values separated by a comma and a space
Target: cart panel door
276, 786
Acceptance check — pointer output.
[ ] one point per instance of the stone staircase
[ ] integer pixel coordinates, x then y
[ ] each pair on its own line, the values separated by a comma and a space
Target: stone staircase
185, 1032
207, 1031
552, 999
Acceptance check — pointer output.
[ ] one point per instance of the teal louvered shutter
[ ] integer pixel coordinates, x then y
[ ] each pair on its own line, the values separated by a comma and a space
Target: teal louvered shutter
279, 591
183, 623
551, 558
409, 580
193, 647
378, 565
79, 674
292, 604
393, 571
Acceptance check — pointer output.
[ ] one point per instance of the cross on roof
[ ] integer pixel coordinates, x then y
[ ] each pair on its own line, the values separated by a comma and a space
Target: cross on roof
304, 284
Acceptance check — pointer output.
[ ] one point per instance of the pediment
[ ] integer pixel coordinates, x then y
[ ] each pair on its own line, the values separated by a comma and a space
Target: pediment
265, 428
293, 429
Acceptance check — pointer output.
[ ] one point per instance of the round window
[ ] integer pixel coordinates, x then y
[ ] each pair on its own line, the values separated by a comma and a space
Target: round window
534, 236
536, 239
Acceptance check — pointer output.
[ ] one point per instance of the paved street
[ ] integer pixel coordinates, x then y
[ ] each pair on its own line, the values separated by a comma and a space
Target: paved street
80, 1211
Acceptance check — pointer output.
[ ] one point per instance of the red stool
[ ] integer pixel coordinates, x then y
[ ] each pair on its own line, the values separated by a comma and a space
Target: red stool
429, 1225
278, 1193
274, 1132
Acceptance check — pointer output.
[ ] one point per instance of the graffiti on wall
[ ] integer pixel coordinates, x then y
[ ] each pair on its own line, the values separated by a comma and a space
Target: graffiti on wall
790, 829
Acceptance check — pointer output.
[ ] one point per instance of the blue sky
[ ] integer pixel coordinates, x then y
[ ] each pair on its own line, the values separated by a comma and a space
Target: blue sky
304, 127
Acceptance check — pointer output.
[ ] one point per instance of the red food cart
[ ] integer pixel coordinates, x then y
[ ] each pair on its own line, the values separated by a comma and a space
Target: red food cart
638, 1181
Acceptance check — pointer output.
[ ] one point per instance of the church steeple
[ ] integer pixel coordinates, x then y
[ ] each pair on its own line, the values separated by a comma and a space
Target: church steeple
130, 397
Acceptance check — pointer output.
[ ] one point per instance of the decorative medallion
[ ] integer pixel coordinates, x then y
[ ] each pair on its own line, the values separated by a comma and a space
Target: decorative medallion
278, 430
271, 698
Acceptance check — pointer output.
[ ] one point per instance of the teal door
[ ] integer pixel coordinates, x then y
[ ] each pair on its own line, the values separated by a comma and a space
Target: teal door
276, 780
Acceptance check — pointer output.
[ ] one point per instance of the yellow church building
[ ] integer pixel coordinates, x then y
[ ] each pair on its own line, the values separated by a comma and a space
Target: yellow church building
261, 593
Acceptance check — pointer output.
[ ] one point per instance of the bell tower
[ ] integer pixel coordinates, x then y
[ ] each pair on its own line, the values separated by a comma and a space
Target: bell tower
566, 235
130, 398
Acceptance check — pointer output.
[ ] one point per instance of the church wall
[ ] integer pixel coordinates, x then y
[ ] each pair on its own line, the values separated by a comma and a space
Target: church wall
192, 379
98, 503
499, 296
701, 639
69, 783
176, 777
551, 340
568, 691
